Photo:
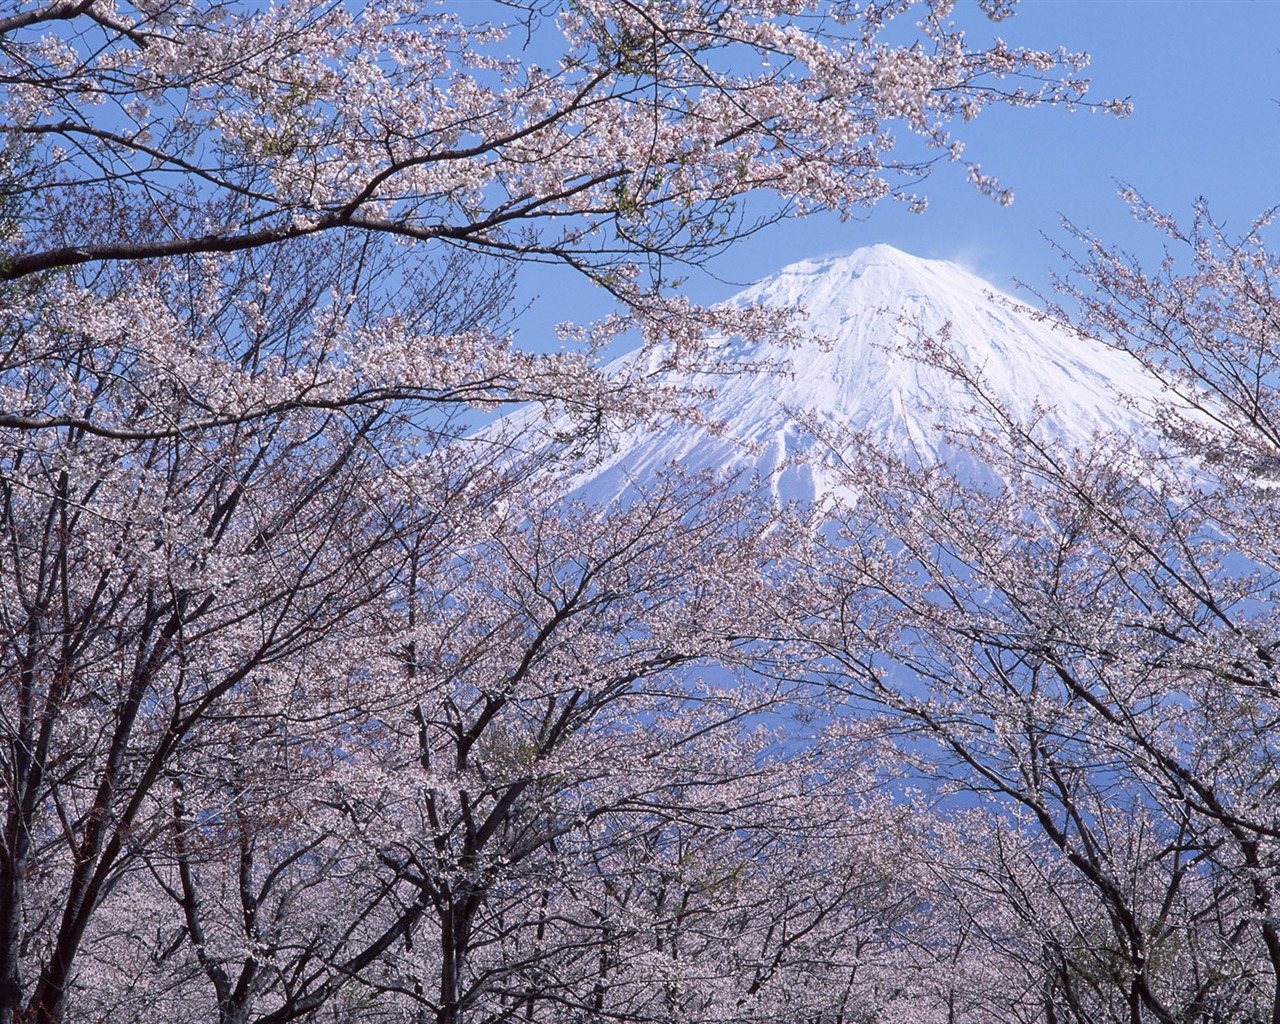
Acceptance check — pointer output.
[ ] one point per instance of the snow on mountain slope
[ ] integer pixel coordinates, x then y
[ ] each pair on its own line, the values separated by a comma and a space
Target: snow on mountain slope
872, 305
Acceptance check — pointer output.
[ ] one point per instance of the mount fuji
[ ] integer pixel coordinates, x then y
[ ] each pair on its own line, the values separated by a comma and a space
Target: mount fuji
873, 306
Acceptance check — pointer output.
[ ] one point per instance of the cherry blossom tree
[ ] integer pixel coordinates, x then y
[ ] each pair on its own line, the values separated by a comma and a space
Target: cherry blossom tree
309, 709
1087, 640
155, 583
505, 808
315, 705
592, 133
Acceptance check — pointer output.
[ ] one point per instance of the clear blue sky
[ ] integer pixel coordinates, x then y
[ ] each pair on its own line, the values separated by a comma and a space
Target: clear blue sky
1204, 79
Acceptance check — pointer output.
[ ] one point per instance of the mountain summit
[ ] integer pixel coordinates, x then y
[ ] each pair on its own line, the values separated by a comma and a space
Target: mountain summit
874, 306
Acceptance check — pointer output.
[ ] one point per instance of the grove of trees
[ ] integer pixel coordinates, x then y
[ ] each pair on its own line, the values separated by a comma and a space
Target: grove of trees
1089, 646
317, 705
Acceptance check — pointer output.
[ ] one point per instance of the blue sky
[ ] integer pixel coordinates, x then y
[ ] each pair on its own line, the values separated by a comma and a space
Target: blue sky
1204, 79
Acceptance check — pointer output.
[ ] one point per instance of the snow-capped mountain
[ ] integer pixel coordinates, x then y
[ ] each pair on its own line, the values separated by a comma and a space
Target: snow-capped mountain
873, 306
